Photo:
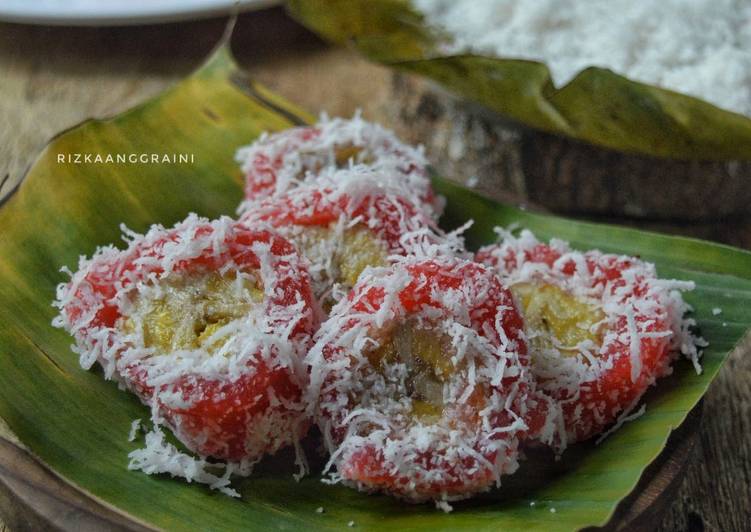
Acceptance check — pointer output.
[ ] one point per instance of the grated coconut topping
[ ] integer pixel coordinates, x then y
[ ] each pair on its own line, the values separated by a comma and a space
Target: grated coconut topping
701, 47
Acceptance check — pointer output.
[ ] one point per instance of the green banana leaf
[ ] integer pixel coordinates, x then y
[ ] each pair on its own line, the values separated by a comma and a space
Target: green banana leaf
78, 424
598, 106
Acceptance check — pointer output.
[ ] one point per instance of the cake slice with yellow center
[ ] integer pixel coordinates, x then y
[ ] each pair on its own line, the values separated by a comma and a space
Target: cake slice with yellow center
276, 163
207, 323
601, 329
345, 223
418, 381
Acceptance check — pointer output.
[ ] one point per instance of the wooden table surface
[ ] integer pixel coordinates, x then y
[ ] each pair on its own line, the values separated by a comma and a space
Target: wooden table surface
52, 78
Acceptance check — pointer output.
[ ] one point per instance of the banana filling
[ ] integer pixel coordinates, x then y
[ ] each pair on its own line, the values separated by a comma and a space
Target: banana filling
426, 353
187, 310
359, 249
557, 320
342, 156
350, 254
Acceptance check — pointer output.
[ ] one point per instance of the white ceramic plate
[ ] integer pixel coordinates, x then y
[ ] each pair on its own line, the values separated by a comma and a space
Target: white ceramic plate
120, 12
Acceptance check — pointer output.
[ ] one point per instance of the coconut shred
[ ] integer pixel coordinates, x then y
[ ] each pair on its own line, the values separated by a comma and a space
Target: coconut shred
698, 47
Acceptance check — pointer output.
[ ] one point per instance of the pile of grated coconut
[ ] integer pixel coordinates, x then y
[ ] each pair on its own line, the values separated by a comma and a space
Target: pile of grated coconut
697, 47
